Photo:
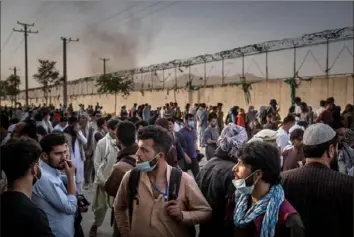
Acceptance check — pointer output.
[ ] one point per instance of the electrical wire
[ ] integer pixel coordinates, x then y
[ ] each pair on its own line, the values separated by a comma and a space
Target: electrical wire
7, 40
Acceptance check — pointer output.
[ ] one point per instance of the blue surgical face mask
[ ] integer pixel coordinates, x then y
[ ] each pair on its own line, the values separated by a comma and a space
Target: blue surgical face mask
147, 166
191, 124
241, 187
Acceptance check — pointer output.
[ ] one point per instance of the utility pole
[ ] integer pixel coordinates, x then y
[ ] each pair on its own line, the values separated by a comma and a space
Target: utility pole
26, 31
104, 64
15, 74
65, 76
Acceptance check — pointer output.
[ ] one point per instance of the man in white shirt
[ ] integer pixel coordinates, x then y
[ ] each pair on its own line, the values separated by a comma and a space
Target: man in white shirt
321, 109
105, 157
283, 132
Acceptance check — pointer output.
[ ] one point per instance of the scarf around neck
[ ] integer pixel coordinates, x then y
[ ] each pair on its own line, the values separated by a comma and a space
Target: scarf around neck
268, 206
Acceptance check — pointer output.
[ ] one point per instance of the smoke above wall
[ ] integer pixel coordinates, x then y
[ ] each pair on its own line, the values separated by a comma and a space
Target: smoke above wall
122, 47
122, 39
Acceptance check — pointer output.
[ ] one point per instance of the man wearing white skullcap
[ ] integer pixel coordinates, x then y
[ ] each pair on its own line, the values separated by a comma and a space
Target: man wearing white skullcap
322, 196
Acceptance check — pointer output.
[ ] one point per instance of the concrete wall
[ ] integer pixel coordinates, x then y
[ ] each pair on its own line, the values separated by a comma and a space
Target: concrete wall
339, 87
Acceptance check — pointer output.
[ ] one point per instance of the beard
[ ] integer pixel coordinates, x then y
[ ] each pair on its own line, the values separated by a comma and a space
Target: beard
333, 164
59, 166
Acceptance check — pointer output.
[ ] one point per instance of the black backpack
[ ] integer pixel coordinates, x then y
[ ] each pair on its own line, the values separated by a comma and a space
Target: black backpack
173, 189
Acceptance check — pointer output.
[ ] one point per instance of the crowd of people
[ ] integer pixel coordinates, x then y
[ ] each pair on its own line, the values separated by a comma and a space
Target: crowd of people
263, 176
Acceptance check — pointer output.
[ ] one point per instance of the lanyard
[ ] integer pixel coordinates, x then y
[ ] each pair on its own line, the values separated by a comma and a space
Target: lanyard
165, 194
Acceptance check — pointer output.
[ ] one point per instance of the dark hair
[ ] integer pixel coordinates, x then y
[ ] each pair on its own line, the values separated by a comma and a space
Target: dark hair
297, 134
41, 131
170, 119
126, 133
322, 103
289, 119
297, 100
18, 156
101, 122
212, 116
317, 151
51, 140
72, 120
141, 123
63, 119
263, 156
162, 122
112, 124
188, 116
160, 136
30, 129
5, 123
330, 99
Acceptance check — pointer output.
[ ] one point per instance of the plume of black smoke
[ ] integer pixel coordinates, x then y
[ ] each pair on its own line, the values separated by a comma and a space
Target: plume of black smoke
123, 47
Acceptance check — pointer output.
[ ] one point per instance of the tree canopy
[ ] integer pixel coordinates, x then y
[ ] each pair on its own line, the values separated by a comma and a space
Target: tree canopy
47, 75
114, 84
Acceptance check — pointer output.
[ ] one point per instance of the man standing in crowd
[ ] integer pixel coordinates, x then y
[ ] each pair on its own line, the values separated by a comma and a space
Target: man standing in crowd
283, 132
154, 210
19, 215
323, 197
215, 180
202, 122
104, 159
191, 143
126, 161
89, 172
49, 192
261, 208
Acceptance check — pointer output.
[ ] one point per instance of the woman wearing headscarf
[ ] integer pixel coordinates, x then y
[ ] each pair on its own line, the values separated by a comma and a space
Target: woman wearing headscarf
261, 209
215, 181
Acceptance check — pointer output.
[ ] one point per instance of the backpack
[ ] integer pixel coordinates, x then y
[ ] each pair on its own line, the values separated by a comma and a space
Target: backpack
173, 189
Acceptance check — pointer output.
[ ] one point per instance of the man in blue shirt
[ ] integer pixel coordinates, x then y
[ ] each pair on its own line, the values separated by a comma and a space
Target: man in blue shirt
191, 143
49, 193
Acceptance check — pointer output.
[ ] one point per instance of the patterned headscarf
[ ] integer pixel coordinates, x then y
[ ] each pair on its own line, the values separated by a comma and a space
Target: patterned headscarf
232, 138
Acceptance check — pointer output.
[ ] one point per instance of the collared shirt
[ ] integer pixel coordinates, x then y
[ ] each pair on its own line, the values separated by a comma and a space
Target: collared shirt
50, 194
150, 217
190, 139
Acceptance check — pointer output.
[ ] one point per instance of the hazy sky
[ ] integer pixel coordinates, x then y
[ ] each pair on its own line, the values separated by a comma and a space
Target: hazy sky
141, 33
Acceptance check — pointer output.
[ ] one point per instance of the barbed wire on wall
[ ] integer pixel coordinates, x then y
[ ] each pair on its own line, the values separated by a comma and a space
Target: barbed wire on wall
307, 40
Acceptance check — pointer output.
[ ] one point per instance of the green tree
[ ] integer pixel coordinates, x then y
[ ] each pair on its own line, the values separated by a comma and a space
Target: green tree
47, 76
115, 84
11, 87
3, 88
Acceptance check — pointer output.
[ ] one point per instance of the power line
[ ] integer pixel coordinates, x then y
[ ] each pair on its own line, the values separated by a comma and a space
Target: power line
7, 40
52, 52
157, 10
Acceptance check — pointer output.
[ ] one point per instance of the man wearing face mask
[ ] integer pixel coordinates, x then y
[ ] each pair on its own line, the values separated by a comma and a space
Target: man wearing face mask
20, 216
261, 208
153, 211
191, 143
49, 193
322, 196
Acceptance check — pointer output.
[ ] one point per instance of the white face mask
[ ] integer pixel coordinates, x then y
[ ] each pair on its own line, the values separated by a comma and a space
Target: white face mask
240, 185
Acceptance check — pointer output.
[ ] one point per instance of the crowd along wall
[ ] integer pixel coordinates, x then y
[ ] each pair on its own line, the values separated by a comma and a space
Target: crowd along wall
339, 87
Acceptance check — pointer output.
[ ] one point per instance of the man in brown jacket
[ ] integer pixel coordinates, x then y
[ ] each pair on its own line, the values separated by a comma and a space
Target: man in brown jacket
126, 161
153, 213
